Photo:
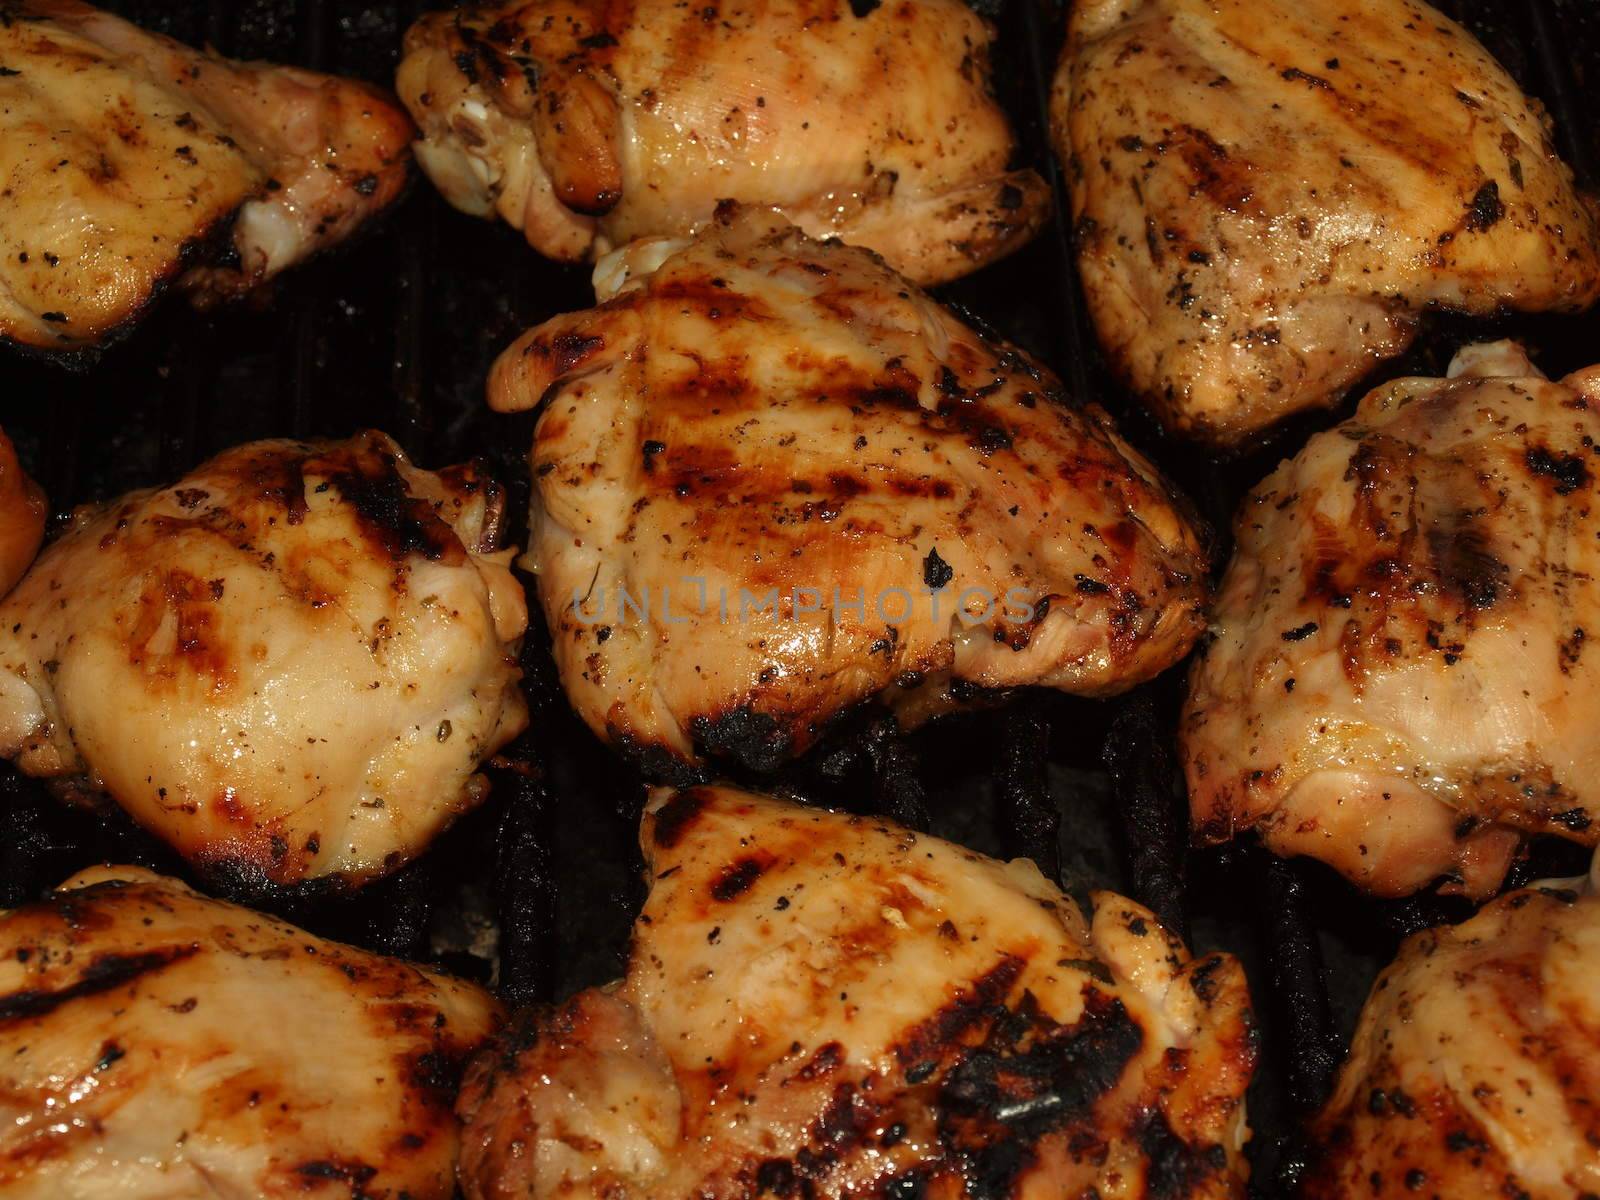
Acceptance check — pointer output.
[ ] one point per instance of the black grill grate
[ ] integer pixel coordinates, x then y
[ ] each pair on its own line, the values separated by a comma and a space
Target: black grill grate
397, 331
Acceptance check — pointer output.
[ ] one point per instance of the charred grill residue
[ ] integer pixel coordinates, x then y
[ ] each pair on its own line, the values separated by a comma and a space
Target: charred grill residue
754, 739
1567, 470
1175, 1168
104, 974
1487, 208
674, 818
740, 876
436, 1073
1030, 1078
356, 1174
401, 523
936, 573
1466, 565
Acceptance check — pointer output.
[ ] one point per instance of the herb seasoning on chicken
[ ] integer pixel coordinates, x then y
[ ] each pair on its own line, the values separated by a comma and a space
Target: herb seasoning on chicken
588, 124
1475, 1070
773, 480
1399, 681
826, 1005
129, 161
289, 664
1267, 195
158, 1044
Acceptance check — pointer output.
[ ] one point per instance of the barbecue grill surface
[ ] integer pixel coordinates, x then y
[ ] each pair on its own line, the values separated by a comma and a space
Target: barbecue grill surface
539, 886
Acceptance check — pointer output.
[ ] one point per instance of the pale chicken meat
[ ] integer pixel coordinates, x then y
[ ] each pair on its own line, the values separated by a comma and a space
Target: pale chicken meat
22, 517
159, 1045
1267, 195
1475, 1070
818, 1004
129, 162
773, 481
288, 665
587, 124
1399, 681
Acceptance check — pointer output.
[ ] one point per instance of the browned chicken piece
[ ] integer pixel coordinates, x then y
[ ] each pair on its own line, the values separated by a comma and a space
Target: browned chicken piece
159, 1045
587, 124
1398, 681
289, 664
826, 1005
22, 517
1475, 1070
129, 161
1267, 195
773, 480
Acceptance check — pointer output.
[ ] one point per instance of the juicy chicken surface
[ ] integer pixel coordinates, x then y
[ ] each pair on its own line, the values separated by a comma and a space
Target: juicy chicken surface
1475, 1069
1268, 194
125, 156
159, 1045
288, 665
821, 1004
1399, 682
22, 516
758, 431
587, 124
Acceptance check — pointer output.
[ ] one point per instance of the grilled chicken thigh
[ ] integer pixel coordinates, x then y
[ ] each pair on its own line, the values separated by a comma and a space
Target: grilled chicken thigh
289, 664
1268, 194
158, 1045
22, 516
125, 157
773, 480
821, 1004
588, 124
1399, 682
1475, 1070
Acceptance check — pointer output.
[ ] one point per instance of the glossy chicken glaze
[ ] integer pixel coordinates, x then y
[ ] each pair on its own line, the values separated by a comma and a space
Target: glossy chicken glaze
1475, 1071
158, 1045
586, 124
1398, 681
758, 415
126, 159
1268, 193
288, 665
820, 1004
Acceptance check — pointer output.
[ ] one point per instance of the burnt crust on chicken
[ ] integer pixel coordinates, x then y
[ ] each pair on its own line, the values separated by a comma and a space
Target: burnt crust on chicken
1397, 679
753, 420
132, 163
149, 1043
820, 1004
1268, 197
288, 664
587, 124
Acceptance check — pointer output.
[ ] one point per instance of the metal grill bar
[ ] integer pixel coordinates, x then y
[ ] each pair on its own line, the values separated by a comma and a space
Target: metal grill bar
897, 783
1144, 774
1298, 982
1030, 818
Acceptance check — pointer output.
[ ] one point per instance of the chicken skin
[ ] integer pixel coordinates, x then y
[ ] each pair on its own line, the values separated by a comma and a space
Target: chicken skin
820, 1004
1475, 1070
129, 161
159, 1045
773, 480
288, 665
22, 517
588, 124
1268, 194
1398, 682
